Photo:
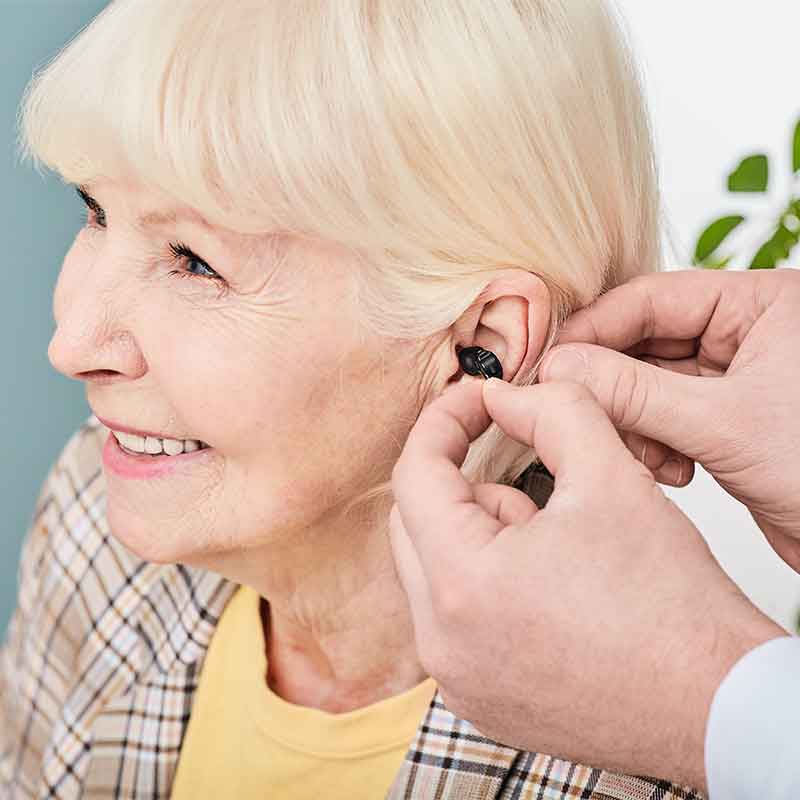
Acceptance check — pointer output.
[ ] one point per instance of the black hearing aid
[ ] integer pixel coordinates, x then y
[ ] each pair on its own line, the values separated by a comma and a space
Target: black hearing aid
477, 361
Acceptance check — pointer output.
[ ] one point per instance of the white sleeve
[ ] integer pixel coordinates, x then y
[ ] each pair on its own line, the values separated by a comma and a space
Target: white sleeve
752, 747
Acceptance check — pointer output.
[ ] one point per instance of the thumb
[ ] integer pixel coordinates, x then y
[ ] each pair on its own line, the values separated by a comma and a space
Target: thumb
678, 410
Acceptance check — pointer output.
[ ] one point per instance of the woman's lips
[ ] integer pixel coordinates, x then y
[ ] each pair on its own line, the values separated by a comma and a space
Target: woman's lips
139, 466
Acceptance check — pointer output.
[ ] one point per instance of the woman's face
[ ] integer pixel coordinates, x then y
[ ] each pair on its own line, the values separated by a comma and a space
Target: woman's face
269, 369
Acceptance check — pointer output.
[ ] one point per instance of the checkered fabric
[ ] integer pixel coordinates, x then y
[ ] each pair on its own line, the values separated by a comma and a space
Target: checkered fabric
103, 656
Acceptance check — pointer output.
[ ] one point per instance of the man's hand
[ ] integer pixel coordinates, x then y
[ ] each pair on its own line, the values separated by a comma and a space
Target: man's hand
595, 629
708, 367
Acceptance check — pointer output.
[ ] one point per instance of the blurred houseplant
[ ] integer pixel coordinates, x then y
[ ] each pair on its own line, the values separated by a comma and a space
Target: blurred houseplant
752, 176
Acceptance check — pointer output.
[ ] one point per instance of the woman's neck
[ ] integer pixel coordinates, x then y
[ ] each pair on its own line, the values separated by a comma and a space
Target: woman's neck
344, 661
337, 625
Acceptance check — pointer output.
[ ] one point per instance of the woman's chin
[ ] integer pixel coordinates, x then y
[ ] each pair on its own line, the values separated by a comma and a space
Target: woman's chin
150, 542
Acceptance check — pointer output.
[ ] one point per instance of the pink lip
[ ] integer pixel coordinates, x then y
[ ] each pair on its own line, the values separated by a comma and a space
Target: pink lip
145, 466
116, 426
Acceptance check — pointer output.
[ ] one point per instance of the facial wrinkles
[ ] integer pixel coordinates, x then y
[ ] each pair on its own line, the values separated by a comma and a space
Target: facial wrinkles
259, 261
272, 297
119, 269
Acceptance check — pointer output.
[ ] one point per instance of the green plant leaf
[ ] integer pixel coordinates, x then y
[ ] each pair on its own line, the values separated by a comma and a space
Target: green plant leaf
714, 235
796, 158
752, 175
764, 258
778, 248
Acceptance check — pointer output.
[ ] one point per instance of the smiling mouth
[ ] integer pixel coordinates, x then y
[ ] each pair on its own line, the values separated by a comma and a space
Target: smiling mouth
154, 448
125, 450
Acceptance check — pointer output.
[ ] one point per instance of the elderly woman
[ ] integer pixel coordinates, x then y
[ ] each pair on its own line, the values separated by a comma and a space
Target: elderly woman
298, 214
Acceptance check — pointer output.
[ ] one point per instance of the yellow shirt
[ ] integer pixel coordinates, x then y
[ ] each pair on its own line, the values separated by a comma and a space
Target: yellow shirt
244, 741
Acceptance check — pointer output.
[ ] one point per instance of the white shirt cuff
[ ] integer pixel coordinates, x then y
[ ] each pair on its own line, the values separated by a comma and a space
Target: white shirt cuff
752, 747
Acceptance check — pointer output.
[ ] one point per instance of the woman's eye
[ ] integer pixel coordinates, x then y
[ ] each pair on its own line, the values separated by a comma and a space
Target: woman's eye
97, 219
182, 252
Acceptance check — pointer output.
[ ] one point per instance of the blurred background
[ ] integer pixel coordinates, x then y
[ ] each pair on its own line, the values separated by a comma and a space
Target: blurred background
723, 89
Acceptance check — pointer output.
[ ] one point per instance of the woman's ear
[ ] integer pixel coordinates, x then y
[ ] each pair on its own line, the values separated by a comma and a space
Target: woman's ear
511, 317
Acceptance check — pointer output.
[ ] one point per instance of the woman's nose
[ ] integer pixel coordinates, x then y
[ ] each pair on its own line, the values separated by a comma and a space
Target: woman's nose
94, 354
92, 339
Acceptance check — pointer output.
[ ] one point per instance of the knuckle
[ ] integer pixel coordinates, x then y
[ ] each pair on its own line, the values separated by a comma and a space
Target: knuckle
451, 601
629, 397
643, 285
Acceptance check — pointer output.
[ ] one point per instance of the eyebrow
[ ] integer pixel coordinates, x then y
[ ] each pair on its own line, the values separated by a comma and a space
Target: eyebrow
150, 219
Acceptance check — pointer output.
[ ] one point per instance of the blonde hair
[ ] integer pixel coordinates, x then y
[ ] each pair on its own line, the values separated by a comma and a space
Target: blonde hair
439, 142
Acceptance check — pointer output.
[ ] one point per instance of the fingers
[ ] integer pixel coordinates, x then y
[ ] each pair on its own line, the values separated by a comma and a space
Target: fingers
667, 465
664, 305
437, 504
676, 472
566, 427
510, 505
669, 407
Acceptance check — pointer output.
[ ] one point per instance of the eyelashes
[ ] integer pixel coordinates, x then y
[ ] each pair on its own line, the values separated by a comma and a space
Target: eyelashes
180, 252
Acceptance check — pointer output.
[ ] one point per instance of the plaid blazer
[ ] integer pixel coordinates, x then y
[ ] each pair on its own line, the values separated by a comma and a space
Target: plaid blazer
103, 656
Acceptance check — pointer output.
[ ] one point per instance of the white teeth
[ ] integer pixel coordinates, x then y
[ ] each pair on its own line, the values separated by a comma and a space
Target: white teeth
132, 442
172, 447
154, 446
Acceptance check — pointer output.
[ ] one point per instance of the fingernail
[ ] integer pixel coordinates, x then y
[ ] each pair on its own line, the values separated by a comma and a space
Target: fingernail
566, 364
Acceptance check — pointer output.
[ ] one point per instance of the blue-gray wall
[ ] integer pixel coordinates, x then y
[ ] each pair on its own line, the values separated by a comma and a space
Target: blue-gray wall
39, 407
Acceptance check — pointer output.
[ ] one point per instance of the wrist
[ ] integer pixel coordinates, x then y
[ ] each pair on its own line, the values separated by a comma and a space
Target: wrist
741, 636
728, 637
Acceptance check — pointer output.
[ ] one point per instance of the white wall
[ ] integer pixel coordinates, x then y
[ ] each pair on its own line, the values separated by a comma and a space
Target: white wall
720, 82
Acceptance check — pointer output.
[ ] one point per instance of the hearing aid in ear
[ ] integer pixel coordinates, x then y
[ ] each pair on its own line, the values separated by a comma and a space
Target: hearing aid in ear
477, 361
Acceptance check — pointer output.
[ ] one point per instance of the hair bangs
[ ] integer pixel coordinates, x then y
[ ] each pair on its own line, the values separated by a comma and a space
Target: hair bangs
190, 97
